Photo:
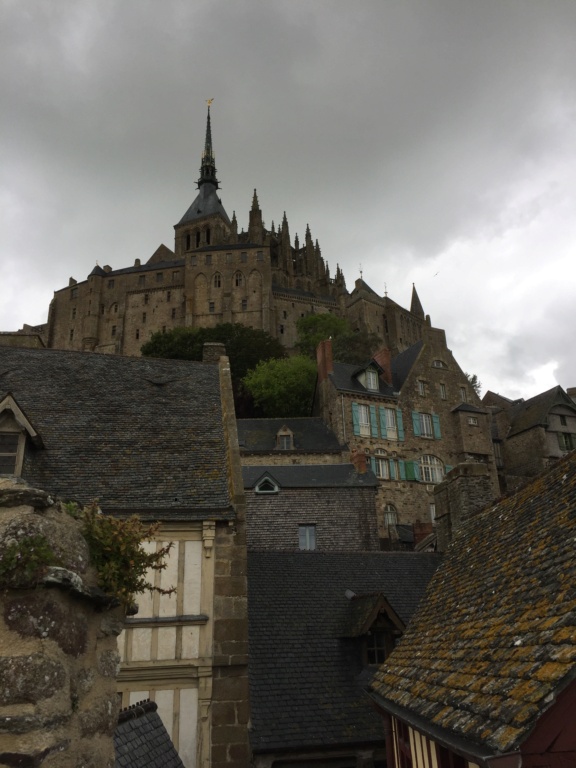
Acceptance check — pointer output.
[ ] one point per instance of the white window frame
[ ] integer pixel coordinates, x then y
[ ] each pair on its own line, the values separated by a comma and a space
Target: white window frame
382, 467
390, 515
443, 391
372, 380
307, 537
421, 387
364, 420
426, 425
391, 424
431, 469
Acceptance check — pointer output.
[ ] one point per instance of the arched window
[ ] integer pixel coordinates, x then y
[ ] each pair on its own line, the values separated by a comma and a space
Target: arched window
431, 469
390, 515
187, 241
208, 236
238, 279
217, 280
197, 239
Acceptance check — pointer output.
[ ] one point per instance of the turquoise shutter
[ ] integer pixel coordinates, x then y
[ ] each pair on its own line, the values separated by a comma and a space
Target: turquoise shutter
416, 423
402, 466
373, 421
400, 424
417, 471
436, 426
355, 419
447, 469
392, 470
373, 463
383, 431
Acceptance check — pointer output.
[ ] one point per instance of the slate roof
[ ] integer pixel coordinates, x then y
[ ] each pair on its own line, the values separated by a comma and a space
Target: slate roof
534, 412
403, 363
139, 434
142, 741
311, 435
305, 688
206, 203
494, 641
310, 476
344, 380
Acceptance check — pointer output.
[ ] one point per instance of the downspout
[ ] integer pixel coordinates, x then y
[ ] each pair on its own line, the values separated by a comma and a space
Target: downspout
343, 420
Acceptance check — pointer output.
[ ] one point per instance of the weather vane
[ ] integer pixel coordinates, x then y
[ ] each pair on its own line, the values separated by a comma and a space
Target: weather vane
209, 101
360, 268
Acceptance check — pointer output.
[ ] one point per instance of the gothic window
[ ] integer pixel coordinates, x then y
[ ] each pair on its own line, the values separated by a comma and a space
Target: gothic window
217, 280
187, 241
238, 279
197, 239
431, 469
307, 537
208, 236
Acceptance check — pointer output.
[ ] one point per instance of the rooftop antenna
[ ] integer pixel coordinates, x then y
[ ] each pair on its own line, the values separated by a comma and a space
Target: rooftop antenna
385, 290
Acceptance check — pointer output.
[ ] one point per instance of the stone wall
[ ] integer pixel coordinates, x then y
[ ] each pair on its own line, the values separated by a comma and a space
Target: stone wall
58, 662
467, 489
345, 518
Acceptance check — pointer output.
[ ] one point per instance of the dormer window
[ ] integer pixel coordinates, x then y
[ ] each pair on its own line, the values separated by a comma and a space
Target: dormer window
372, 380
284, 439
8, 452
266, 485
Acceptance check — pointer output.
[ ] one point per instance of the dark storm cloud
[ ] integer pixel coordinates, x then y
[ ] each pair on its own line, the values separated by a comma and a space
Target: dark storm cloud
411, 136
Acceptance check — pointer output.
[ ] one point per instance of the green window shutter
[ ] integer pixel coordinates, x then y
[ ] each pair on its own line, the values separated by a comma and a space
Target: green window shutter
355, 419
416, 423
373, 464
417, 471
436, 426
393, 470
383, 428
410, 470
373, 421
447, 469
402, 466
400, 424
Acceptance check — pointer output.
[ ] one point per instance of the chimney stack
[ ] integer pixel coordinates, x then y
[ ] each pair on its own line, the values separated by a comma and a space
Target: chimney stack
358, 459
212, 351
324, 360
384, 359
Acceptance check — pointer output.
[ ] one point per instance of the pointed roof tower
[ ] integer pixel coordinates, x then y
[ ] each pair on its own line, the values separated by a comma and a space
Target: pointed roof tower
415, 305
207, 202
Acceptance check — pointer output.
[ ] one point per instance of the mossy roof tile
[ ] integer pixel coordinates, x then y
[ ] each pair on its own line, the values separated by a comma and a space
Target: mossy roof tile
498, 621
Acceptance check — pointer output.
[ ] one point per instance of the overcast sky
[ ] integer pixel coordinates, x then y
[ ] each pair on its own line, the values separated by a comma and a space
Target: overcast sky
430, 142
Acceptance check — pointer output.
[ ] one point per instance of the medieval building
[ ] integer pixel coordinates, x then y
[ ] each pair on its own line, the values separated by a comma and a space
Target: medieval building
261, 278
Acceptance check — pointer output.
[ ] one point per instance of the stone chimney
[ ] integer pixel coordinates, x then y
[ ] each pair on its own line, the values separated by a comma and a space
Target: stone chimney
467, 489
212, 351
384, 359
358, 459
324, 360
58, 639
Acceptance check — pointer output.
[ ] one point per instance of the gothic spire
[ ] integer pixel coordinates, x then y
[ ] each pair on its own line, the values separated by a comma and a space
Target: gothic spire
208, 168
415, 305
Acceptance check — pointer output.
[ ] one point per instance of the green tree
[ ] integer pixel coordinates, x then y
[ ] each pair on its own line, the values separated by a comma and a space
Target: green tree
283, 387
475, 383
313, 329
355, 347
245, 347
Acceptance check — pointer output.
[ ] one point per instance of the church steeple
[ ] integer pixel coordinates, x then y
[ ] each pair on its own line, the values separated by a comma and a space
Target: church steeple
208, 168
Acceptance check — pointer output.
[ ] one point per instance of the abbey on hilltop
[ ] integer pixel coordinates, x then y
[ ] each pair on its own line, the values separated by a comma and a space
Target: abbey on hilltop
217, 274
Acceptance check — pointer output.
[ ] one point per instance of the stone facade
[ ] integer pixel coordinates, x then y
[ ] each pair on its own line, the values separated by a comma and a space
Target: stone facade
530, 434
415, 416
58, 637
262, 278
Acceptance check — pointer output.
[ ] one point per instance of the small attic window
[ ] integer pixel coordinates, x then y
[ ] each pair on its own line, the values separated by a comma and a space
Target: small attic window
372, 380
439, 364
284, 439
266, 485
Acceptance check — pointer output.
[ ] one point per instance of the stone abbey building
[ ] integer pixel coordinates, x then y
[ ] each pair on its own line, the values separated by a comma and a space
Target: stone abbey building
216, 274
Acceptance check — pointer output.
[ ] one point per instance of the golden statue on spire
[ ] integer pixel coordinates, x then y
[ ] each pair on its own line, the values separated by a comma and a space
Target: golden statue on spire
209, 101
